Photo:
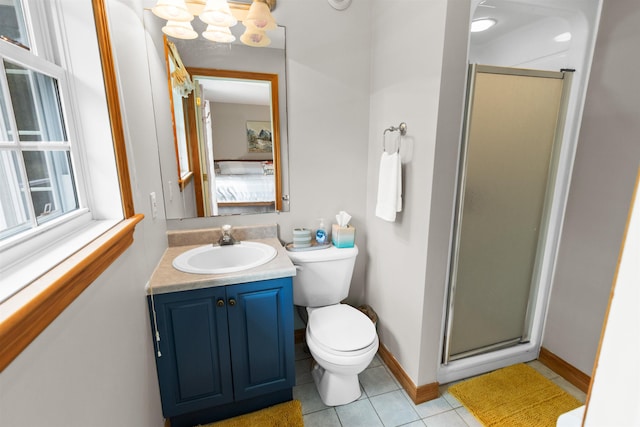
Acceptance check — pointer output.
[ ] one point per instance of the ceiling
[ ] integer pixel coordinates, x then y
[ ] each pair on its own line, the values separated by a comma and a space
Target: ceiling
234, 91
510, 15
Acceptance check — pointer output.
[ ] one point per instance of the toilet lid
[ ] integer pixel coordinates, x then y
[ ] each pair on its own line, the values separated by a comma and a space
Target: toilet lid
341, 327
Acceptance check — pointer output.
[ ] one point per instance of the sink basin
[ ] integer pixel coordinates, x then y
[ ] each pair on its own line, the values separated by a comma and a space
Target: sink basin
211, 259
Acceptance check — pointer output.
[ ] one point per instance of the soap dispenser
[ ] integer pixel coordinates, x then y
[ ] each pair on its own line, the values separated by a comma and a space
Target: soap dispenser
321, 233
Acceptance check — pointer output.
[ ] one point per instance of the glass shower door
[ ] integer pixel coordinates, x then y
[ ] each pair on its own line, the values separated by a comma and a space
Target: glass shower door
510, 146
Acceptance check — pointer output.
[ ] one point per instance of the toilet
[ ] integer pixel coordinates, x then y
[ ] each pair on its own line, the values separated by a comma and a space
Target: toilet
341, 339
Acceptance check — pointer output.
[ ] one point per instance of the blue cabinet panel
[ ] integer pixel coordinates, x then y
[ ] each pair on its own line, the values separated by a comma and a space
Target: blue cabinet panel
195, 348
194, 368
261, 336
263, 356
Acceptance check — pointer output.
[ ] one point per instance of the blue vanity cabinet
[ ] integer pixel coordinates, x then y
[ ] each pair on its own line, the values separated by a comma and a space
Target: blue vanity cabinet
224, 350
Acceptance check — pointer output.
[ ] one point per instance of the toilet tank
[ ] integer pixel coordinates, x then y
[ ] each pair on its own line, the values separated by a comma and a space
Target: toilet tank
323, 276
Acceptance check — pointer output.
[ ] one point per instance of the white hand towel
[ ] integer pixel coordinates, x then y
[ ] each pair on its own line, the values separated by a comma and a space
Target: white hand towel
389, 187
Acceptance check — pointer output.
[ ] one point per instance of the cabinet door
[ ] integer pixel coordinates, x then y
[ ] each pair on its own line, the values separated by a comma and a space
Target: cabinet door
194, 369
261, 336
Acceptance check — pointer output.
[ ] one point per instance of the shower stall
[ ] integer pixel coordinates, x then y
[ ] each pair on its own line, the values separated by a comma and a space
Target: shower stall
509, 160
520, 134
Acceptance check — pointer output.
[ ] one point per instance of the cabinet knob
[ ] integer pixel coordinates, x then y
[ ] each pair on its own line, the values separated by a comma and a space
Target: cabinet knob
220, 303
232, 302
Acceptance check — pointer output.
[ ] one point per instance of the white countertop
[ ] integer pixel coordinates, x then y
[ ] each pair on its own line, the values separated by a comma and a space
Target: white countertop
166, 278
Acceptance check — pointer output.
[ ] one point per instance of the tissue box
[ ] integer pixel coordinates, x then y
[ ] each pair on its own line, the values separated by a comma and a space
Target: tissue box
343, 237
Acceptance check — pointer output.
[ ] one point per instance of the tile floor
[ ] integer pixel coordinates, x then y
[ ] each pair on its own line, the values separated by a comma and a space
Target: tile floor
385, 403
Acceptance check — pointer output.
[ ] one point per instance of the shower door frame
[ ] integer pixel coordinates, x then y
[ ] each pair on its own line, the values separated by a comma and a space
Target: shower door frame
527, 346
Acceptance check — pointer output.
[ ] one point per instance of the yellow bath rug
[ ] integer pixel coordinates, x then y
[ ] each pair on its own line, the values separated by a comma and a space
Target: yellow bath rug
516, 396
288, 414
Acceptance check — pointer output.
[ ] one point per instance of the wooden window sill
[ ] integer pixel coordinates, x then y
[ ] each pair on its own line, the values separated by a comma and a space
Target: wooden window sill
30, 311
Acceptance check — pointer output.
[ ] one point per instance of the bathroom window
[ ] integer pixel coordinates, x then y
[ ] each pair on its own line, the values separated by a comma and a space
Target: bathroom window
40, 172
36, 169
66, 206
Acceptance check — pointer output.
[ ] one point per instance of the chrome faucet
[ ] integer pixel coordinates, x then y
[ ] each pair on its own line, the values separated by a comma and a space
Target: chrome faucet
226, 238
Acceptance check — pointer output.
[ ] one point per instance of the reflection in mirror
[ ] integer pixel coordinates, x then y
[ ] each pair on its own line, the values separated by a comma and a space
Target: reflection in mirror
225, 146
181, 85
232, 122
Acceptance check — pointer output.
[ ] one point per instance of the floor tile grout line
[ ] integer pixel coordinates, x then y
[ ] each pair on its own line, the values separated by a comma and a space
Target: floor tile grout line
376, 412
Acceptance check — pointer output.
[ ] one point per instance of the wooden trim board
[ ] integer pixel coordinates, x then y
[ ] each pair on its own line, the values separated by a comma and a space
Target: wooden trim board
113, 105
565, 369
61, 285
418, 394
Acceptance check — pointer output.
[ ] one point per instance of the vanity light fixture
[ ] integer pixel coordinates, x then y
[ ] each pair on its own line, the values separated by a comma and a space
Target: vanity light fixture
482, 24
219, 15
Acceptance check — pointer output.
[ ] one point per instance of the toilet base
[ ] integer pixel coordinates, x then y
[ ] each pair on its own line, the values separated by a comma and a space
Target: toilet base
335, 389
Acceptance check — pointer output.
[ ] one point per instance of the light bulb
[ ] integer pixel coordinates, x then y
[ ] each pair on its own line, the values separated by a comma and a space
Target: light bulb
179, 30
482, 24
217, 13
255, 38
259, 17
172, 10
218, 34
564, 37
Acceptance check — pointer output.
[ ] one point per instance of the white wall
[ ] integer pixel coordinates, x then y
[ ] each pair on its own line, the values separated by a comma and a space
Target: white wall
94, 366
446, 157
230, 130
406, 71
617, 369
602, 182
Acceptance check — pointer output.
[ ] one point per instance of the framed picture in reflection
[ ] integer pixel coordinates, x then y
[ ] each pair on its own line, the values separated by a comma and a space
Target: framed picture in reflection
259, 138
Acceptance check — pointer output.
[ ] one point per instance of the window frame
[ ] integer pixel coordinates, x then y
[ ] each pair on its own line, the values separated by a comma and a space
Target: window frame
23, 58
26, 314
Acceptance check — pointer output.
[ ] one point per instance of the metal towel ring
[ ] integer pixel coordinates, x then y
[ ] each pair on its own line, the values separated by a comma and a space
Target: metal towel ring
402, 127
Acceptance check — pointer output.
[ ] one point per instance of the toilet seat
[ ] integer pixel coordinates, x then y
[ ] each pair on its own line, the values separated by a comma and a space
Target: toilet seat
341, 330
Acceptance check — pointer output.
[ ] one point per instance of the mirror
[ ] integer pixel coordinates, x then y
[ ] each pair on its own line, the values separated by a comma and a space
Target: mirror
227, 154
